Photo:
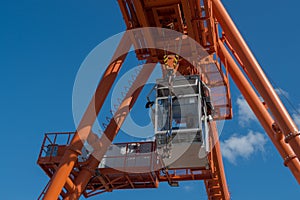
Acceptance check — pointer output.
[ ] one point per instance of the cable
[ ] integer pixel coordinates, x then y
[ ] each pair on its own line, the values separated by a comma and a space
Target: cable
296, 111
123, 94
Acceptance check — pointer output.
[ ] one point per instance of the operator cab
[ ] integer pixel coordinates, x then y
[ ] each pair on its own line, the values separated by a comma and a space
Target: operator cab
181, 113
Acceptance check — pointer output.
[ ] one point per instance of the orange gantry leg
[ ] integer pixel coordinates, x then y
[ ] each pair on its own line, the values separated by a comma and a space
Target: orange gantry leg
70, 157
101, 146
259, 110
258, 78
216, 187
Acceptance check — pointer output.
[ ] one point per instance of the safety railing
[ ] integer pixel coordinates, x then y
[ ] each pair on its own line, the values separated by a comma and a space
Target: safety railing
52, 143
126, 156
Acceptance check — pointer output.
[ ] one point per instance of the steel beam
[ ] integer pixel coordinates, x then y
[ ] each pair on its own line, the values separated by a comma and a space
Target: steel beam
219, 173
101, 146
258, 77
70, 157
259, 109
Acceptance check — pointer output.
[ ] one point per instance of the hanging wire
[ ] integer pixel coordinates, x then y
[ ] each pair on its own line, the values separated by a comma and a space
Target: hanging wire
179, 45
123, 94
282, 93
165, 42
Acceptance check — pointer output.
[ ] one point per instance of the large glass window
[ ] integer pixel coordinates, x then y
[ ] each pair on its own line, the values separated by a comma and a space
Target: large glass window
185, 113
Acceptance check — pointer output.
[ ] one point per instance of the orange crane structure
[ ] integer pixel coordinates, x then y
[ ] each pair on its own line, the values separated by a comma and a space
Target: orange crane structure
208, 24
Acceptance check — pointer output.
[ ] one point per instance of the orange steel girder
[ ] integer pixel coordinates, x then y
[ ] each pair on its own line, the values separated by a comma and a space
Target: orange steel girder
259, 110
258, 78
70, 157
216, 187
282, 124
281, 129
111, 131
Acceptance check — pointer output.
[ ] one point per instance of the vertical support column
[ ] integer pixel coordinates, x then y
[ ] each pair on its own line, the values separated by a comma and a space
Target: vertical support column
101, 146
257, 77
70, 157
217, 186
259, 110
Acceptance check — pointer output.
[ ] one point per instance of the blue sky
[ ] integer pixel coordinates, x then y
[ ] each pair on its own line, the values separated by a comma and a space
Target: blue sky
42, 45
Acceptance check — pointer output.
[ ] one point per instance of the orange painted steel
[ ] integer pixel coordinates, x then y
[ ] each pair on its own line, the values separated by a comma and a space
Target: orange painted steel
109, 179
259, 110
257, 77
70, 156
201, 20
216, 187
112, 130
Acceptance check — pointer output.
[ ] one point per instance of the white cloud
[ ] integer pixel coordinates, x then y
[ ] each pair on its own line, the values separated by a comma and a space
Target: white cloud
243, 146
296, 118
148, 139
245, 114
282, 92
188, 188
295, 114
